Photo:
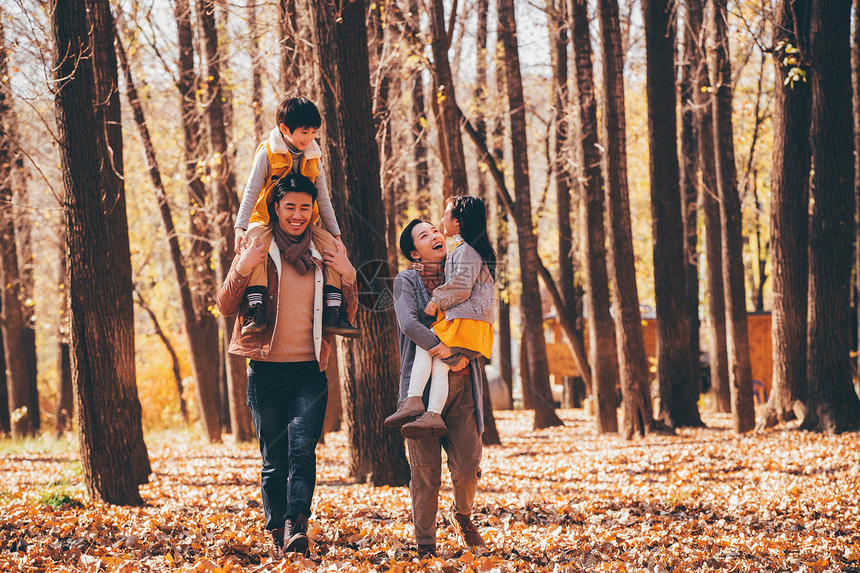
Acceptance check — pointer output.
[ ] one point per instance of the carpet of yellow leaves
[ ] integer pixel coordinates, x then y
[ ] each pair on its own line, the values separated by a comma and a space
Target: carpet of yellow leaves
558, 500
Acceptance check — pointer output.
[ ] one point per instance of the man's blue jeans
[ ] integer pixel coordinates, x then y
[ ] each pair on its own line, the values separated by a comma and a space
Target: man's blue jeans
288, 402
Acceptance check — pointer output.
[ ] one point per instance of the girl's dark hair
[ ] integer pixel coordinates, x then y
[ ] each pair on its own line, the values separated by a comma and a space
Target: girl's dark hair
472, 215
296, 112
407, 242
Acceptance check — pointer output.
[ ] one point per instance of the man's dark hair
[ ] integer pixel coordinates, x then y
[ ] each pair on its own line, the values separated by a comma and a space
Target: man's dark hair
293, 183
407, 241
296, 112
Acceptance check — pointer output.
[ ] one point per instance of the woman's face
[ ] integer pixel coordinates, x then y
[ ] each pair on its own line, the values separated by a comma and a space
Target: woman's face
429, 244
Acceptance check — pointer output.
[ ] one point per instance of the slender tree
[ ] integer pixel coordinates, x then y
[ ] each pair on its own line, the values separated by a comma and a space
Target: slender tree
530, 302
601, 329
289, 45
506, 364
256, 70
678, 390
65, 389
789, 210
454, 181
740, 372
832, 404
13, 318
204, 330
102, 334
689, 157
352, 156
710, 208
225, 199
637, 417
855, 83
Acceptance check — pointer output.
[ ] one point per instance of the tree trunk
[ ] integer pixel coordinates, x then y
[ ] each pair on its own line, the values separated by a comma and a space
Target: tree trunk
223, 188
419, 125
257, 71
506, 364
530, 302
199, 358
383, 123
23, 240
5, 421
789, 213
704, 124
855, 83
204, 334
678, 390
13, 325
740, 373
454, 180
690, 192
601, 329
633, 369
832, 404
289, 40
65, 389
490, 437
334, 406
102, 334
370, 363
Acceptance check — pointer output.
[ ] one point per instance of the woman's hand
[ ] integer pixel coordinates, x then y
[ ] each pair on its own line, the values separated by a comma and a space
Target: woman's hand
251, 256
338, 261
463, 362
441, 351
430, 309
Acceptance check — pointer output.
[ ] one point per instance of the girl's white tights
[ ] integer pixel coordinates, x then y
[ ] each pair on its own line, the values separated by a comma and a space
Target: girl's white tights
422, 368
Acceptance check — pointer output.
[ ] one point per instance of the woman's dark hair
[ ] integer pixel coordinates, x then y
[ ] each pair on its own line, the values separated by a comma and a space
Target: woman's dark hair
407, 241
472, 215
296, 112
291, 183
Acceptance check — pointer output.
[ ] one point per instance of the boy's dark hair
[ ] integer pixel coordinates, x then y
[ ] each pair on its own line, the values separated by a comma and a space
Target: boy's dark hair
407, 241
296, 112
293, 183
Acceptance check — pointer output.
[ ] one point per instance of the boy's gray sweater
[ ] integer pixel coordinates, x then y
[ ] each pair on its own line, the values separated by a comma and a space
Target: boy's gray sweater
410, 300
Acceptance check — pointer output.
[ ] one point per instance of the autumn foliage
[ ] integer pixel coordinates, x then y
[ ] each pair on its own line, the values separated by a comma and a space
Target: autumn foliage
556, 500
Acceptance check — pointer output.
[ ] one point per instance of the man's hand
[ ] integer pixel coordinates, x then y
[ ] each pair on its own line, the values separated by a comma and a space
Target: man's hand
240, 238
430, 309
338, 261
251, 256
441, 351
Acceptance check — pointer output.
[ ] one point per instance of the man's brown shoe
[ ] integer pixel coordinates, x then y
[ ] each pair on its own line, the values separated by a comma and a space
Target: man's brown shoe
409, 409
467, 531
298, 541
428, 425
277, 540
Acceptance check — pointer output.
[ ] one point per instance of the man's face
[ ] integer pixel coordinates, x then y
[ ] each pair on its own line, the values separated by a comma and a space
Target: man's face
300, 138
294, 212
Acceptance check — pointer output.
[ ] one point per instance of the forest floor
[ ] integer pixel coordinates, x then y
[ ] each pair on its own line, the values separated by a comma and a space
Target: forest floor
561, 499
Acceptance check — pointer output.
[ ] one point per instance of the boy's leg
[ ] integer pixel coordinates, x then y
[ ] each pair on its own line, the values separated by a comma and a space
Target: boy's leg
254, 320
334, 321
430, 424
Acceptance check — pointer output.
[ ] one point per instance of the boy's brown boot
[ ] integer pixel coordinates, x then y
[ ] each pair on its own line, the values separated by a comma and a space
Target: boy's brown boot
429, 425
467, 531
410, 408
254, 320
